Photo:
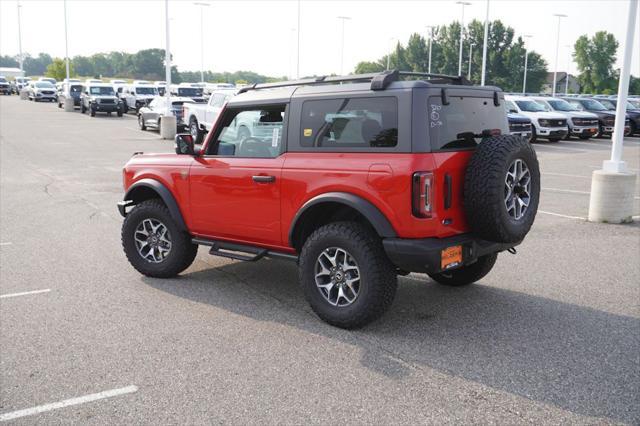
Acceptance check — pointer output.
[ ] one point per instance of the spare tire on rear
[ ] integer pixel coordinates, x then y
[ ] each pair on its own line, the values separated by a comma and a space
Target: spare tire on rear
502, 189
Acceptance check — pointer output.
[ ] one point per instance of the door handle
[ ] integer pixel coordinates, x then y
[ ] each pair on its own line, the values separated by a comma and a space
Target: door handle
264, 179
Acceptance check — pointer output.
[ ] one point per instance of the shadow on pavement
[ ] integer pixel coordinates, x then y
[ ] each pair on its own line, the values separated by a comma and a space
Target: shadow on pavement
577, 358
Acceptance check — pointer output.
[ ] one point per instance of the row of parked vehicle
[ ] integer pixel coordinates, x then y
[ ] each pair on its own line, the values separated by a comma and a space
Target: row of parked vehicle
554, 118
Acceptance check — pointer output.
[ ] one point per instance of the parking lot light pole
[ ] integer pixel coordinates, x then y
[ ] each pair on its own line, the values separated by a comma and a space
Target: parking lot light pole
168, 121
613, 187
463, 4
566, 82
430, 27
202, 6
342, 18
68, 100
19, 37
390, 50
526, 57
470, 56
484, 46
298, 45
555, 69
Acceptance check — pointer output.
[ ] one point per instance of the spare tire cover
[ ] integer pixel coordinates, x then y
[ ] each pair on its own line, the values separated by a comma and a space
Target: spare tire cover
502, 189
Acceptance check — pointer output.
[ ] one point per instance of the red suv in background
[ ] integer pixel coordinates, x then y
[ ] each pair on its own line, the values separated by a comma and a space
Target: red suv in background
357, 179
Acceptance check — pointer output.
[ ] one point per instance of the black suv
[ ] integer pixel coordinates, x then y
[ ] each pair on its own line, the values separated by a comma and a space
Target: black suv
606, 118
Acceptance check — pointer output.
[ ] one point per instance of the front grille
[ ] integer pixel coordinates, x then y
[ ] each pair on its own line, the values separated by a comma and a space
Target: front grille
609, 121
107, 101
519, 127
557, 123
47, 92
585, 121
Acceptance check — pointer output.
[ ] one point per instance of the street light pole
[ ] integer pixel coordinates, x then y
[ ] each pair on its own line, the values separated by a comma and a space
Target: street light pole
484, 46
19, 38
202, 6
389, 54
66, 45
431, 27
470, 56
342, 18
463, 4
566, 83
526, 57
555, 70
298, 45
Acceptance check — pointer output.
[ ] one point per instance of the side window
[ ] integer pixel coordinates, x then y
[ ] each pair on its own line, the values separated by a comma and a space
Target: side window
251, 133
350, 123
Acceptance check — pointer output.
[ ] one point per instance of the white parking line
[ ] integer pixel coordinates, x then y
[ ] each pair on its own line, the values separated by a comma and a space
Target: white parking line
24, 293
8, 243
565, 175
562, 215
67, 402
571, 191
562, 148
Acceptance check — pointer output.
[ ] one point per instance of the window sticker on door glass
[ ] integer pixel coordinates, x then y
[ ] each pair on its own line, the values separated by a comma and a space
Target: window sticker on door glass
275, 137
307, 133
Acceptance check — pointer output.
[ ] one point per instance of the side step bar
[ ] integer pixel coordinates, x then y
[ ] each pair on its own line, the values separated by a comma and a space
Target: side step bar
233, 251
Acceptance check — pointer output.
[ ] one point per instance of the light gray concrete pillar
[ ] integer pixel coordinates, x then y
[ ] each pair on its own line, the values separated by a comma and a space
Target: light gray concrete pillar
168, 127
68, 104
24, 95
612, 196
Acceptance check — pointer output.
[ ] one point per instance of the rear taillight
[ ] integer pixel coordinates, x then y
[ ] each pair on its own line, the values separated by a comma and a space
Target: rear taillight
422, 194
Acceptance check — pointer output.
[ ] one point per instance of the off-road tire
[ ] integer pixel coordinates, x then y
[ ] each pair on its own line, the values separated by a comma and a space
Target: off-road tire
467, 274
92, 112
378, 281
182, 253
484, 189
584, 138
194, 127
534, 135
554, 139
83, 108
125, 108
141, 123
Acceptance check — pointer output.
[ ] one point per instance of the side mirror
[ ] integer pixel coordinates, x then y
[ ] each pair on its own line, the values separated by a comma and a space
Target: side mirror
513, 111
184, 144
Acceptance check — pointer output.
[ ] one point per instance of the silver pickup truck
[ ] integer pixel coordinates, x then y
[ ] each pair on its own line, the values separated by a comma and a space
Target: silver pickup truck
200, 117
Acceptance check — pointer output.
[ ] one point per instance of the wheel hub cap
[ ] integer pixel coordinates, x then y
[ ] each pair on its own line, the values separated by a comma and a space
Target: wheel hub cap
517, 189
337, 276
153, 240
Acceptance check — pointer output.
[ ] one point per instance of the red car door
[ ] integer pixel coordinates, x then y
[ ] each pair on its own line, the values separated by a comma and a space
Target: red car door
236, 184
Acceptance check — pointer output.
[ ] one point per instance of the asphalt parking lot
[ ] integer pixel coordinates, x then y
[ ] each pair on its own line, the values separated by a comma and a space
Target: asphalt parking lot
551, 335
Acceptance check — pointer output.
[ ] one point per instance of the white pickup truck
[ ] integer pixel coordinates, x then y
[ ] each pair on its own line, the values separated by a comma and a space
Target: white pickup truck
200, 117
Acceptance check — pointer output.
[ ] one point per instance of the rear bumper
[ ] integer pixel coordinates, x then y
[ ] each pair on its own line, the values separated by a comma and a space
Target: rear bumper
425, 255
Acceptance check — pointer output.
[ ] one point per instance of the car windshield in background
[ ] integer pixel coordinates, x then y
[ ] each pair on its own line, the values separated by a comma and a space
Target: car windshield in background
146, 91
189, 91
592, 105
608, 104
560, 105
634, 104
44, 85
510, 106
102, 91
530, 106
76, 88
3, 80
463, 122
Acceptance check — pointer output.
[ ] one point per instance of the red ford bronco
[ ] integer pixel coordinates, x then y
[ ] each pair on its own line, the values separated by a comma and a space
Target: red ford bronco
357, 179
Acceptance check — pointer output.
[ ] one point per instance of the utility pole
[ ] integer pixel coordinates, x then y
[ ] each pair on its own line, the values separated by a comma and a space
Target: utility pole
526, 56
202, 6
298, 45
431, 27
566, 83
389, 54
20, 38
463, 4
66, 45
470, 57
342, 18
484, 47
555, 70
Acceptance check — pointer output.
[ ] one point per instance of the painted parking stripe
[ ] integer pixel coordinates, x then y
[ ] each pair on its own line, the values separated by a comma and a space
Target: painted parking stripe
8, 243
67, 402
562, 215
571, 191
24, 293
565, 175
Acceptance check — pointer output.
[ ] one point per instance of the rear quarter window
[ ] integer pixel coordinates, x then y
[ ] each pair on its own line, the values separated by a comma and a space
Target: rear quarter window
365, 123
460, 123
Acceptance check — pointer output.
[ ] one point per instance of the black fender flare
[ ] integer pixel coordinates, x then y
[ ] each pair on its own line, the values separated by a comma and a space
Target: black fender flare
164, 193
377, 219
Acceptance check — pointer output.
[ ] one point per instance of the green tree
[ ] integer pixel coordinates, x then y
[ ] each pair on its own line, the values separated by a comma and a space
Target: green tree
369, 67
594, 58
58, 69
634, 85
37, 65
8, 61
83, 66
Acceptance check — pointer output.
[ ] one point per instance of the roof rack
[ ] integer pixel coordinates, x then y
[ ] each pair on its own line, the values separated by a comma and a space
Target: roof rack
379, 81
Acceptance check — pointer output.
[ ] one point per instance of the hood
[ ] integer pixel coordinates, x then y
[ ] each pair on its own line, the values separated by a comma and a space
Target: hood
518, 118
577, 114
103, 96
544, 114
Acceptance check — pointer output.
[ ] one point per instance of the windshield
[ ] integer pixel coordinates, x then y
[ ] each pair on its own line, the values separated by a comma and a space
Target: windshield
189, 91
102, 90
76, 88
608, 104
146, 91
44, 85
560, 105
530, 106
633, 104
592, 105
510, 106
3, 80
